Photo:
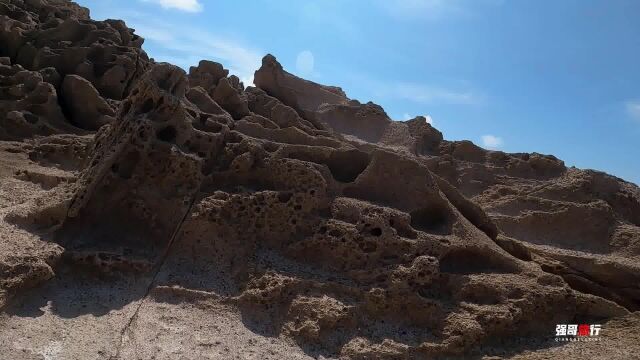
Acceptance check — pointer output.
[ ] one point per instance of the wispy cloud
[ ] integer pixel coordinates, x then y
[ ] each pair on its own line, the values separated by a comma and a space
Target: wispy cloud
431, 9
633, 109
461, 93
188, 46
183, 5
430, 94
491, 141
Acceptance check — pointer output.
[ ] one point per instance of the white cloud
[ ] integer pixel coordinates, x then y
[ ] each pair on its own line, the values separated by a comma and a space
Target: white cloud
184, 5
406, 117
633, 109
429, 119
420, 93
189, 45
491, 141
305, 63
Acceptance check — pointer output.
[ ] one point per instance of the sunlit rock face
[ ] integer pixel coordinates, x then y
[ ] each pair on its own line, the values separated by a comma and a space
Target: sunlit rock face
159, 214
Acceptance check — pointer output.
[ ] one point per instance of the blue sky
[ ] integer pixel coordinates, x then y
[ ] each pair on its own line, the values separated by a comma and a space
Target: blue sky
555, 77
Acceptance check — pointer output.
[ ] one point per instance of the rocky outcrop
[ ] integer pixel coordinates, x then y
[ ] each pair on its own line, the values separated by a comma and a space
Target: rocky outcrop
533, 198
207, 75
325, 244
59, 34
329, 107
149, 159
28, 104
300, 221
302, 95
427, 138
88, 110
55, 40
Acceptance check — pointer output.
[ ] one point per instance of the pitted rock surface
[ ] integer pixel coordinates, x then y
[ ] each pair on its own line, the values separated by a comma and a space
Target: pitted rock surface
160, 214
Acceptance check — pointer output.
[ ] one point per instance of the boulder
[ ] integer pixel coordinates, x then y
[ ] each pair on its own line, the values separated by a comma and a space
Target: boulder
87, 109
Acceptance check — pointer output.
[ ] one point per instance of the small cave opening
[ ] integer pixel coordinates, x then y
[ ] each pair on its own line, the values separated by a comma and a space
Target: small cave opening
346, 166
167, 134
435, 219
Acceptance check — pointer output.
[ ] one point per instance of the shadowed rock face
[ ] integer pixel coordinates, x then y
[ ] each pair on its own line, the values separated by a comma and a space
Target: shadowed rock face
87, 109
85, 66
59, 34
28, 104
284, 211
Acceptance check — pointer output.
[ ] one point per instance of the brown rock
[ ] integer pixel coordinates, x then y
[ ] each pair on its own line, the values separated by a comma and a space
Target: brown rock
428, 139
207, 75
229, 93
302, 95
285, 220
51, 33
28, 105
87, 108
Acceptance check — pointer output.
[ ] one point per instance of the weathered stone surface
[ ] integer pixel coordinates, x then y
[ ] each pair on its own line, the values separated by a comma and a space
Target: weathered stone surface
285, 220
52, 33
136, 167
427, 138
28, 104
302, 95
88, 110
207, 75
400, 252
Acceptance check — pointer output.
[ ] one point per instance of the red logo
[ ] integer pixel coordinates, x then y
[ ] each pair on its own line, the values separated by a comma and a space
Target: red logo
583, 330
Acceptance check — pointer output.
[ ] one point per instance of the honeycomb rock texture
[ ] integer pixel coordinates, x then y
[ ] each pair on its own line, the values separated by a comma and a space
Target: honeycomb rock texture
155, 213
28, 104
60, 69
59, 34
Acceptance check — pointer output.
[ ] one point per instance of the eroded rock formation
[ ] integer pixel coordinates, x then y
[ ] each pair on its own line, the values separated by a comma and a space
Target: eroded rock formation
194, 217
80, 64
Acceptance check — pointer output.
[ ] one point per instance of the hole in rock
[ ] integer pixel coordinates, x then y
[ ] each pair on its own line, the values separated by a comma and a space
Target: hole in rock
345, 166
435, 218
167, 134
284, 196
376, 231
